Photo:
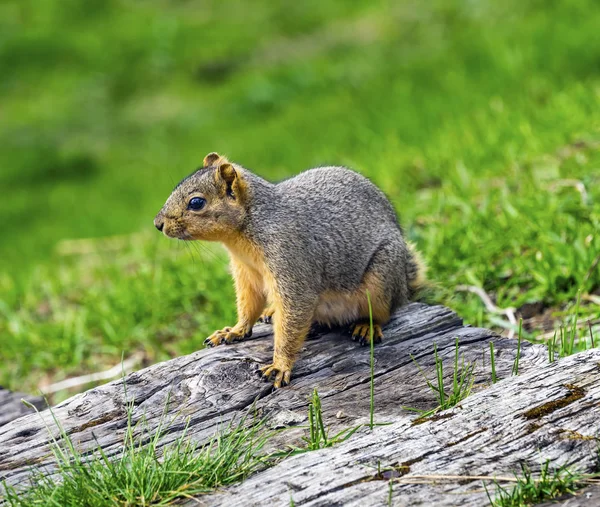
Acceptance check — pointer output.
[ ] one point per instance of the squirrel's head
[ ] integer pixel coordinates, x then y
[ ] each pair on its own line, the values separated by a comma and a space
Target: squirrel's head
208, 204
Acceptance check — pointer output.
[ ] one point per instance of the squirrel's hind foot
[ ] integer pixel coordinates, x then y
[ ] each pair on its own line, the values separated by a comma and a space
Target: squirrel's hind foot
226, 336
279, 376
361, 332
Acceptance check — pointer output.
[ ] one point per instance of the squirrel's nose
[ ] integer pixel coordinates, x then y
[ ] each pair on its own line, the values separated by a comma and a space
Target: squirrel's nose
159, 224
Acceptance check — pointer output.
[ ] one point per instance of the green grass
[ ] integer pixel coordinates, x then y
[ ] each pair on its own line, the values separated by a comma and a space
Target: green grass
463, 376
144, 473
318, 434
570, 337
493, 363
143, 295
531, 490
565, 343
515, 368
481, 123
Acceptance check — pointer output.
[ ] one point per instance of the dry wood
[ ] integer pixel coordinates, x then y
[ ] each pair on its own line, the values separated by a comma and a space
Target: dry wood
549, 413
213, 386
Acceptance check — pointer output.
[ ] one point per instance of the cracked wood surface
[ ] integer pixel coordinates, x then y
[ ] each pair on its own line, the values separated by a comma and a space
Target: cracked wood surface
214, 386
11, 406
489, 434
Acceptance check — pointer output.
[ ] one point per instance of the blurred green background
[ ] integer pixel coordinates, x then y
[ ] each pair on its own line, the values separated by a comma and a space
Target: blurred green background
479, 119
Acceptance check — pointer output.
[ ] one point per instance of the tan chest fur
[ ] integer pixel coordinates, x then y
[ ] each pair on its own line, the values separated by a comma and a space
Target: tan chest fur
249, 257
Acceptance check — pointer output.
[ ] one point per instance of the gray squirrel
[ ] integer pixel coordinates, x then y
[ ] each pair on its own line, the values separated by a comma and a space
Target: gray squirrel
303, 251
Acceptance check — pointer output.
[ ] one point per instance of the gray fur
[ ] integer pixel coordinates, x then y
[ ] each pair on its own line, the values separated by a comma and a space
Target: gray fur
325, 228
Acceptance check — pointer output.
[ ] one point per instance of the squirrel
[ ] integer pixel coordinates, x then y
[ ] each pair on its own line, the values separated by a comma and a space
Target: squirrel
303, 251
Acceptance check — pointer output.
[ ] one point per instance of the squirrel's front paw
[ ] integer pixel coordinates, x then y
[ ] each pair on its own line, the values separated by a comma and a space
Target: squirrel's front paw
279, 376
226, 336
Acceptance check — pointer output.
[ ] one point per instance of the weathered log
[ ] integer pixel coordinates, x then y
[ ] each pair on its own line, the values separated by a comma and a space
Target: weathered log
214, 386
11, 406
549, 413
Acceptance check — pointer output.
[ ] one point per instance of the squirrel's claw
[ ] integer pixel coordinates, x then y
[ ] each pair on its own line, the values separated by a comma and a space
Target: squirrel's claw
279, 377
362, 333
267, 316
226, 336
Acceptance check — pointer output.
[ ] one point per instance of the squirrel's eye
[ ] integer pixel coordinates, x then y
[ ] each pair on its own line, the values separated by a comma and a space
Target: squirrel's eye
196, 203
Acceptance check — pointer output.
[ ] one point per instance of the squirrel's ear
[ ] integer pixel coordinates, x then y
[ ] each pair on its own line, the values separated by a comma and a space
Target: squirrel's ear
227, 173
211, 158
235, 186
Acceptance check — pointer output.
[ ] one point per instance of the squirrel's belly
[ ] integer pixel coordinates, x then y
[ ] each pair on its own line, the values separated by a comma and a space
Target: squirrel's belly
337, 309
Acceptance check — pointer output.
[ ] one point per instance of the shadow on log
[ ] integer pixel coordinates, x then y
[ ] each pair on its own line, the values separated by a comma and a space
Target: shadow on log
11, 406
487, 433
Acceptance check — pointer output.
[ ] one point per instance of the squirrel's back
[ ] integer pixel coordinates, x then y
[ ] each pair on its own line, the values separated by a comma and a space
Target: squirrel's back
333, 221
341, 191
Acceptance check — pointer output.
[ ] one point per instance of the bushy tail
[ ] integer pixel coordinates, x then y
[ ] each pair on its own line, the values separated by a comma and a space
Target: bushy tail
416, 270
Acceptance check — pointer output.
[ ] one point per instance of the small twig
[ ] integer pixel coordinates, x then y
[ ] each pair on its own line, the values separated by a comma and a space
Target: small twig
491, 307
576, 184
115, 371
438, 477
461, 477
592, 298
